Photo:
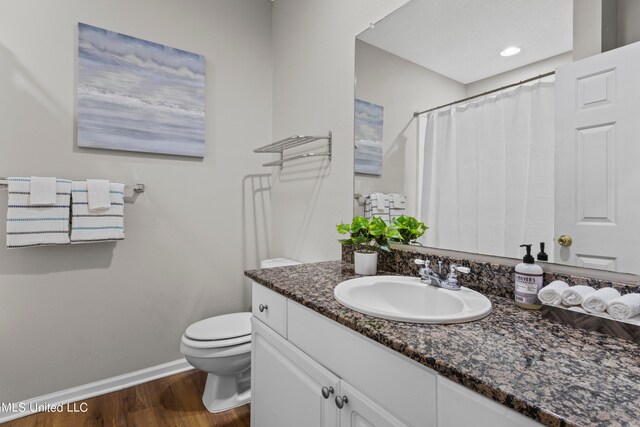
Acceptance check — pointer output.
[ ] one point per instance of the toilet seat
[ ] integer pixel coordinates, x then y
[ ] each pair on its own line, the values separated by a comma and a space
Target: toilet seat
230, 342
219, 335
224, 327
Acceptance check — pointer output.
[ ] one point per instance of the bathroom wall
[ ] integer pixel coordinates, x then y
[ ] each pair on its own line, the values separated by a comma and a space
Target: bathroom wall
314, 51
75, 314
587, 28
518, 74
628, 18
402, 88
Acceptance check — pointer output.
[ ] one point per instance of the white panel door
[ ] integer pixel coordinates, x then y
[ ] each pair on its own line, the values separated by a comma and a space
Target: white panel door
360, 411
286, 384
597, 154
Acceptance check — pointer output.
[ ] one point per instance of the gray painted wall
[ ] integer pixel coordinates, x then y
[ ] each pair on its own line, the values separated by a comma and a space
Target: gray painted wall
314, 49
75, 314
402, 88
628, 22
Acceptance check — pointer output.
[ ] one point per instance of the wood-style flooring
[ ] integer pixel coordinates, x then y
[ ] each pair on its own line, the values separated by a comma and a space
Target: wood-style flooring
170, 401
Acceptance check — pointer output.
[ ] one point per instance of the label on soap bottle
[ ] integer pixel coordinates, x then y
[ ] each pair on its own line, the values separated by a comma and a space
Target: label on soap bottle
527, 288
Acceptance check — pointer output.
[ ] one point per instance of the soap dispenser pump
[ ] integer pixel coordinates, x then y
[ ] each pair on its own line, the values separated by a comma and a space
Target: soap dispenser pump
528, 282
542, 255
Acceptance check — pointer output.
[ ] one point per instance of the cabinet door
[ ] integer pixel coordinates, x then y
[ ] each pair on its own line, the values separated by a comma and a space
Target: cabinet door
286, 384
360, 411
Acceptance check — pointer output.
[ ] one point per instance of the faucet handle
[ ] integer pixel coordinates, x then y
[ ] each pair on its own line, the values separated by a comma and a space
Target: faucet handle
424, 262
459, 269
453, 269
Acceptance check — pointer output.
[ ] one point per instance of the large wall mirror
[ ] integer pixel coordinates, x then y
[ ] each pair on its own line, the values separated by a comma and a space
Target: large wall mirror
505, 122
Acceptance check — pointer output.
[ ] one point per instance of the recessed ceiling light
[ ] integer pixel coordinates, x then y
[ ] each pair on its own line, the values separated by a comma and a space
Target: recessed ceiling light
510, 51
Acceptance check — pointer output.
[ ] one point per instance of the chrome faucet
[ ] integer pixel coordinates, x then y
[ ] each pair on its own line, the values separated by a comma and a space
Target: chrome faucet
437, 279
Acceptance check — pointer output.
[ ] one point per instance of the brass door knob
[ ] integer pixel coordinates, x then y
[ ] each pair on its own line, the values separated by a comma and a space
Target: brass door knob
565, 240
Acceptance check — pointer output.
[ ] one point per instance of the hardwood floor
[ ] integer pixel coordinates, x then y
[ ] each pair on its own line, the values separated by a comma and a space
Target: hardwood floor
171, 401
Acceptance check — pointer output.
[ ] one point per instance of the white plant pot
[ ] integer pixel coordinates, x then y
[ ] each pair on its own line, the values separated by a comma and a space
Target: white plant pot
366, 263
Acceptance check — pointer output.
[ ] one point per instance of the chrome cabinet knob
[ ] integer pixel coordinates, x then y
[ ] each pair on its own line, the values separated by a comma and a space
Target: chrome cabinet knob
262, 307
340, 401
327, 391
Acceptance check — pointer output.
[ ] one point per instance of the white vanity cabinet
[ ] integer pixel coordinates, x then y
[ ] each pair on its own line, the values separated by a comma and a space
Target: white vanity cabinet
291, 389
317, 372
287, 385
459, 406
361, 411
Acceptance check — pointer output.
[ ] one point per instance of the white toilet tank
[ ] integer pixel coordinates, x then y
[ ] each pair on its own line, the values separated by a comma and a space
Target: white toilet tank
277, 262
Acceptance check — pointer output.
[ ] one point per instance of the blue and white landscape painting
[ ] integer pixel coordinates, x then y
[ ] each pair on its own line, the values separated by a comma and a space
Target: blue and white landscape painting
136, 95
369, 123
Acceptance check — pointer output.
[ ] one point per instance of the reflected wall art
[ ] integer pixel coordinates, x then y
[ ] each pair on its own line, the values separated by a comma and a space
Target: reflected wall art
368, 137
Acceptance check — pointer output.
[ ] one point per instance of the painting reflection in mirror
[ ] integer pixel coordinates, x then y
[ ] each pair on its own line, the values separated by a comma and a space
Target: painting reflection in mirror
369, 122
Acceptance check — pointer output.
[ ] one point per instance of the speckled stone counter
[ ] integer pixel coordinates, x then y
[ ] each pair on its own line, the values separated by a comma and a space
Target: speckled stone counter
553, 373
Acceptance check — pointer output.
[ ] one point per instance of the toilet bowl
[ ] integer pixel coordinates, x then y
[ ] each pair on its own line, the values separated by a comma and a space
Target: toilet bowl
221, 346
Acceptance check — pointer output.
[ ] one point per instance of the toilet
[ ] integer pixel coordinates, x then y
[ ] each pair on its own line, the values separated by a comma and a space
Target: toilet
221, 346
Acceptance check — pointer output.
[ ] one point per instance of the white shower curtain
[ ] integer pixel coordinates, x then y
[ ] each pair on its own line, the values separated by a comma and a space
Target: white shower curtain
487, 172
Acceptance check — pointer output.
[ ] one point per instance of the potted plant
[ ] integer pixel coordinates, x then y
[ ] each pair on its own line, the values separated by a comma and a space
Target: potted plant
409, 230
367, 237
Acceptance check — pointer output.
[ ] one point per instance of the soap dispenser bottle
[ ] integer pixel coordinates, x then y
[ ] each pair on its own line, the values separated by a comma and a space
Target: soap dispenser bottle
528, 281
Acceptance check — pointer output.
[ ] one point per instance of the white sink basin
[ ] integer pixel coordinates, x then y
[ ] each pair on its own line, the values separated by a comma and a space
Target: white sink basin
408, 300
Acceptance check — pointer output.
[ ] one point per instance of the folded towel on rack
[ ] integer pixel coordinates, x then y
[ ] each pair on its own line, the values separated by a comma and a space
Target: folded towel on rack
398, 200
397, 204
89, 226
598, 301
552, 293
37, 225
576, 294
42, 191
379, 203
98, 194
624, 307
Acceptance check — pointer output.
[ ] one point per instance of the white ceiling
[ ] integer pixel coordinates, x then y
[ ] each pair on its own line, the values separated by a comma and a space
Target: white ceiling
462, 39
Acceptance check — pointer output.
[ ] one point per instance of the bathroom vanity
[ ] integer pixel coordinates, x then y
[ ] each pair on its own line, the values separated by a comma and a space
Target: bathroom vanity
316, 362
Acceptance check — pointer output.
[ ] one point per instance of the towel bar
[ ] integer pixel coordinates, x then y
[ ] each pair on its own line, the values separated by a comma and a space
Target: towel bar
137, 188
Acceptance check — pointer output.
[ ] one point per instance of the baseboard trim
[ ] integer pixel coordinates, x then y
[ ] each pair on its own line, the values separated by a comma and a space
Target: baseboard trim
75, 394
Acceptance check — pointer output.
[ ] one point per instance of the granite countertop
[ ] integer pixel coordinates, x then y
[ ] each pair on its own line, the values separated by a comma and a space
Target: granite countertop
551, 372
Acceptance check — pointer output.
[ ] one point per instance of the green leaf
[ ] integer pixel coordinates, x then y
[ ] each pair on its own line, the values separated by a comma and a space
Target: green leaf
360, 240
343, 228
408, 228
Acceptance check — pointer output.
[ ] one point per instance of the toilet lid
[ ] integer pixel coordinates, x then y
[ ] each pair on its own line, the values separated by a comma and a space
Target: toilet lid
221, 327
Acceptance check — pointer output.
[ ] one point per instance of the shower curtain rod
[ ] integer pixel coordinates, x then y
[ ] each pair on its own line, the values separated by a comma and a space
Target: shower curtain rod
416, 114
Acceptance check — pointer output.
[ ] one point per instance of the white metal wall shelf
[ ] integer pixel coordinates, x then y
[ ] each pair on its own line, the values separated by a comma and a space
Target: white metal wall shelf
291, 142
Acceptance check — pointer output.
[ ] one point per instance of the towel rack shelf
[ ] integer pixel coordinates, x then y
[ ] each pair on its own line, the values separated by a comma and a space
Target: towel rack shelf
137, 188
292, 142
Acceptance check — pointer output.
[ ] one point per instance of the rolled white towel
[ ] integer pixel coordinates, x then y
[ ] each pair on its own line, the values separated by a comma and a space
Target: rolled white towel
624, 307
552, 293
598, 301
576, 294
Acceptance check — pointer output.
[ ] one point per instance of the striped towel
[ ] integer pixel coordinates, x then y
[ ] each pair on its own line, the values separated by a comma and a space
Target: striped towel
397, 205
96, 226
385, 206
37, 225
377, 205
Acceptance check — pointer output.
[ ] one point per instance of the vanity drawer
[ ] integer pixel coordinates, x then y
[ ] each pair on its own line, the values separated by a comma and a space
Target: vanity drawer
402, 386
270, 308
